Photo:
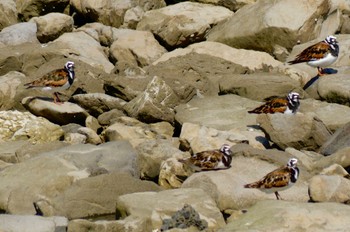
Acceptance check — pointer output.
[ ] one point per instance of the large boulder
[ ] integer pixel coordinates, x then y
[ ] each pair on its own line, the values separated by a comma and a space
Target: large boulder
32, 8
232, 5
83, 47
268, 24
109, 12
291, 216
94, 196
258, 86
155, 104
183, 23
19, 33
8, 89
52, 25
157, 206
8, 13
224, 112
340, 139
200, 66
135, 49
31, 223
332, 188
56, 171
17, 125
62, 114
300, 131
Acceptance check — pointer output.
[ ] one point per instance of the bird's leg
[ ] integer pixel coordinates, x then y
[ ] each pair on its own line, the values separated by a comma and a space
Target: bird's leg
56, 99
278, 196
320, 71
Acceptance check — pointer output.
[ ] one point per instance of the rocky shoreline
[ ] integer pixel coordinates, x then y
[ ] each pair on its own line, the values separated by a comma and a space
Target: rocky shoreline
157, 81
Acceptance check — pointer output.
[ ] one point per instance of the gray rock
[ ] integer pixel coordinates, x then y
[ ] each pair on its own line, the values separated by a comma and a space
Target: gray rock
324, 188
139, 48
91, 136
32, 8
30, 223
183, 23
56, 171
333, 115
339, 140
265, 22
8, 150
258, 86
184, 218
134, 224
98, 103
19, 33
172, 173
61, 114
341, 157
126, 87
155, 104
232, 5
110, 13
9, 13
224, 112
290, 216
52, 25
300, 131
8, 89
17, 125
151, 154
92, 123
135, 132
30, 150
110, 117
158, 206
198, 67
75, 138
77, 43
94, 196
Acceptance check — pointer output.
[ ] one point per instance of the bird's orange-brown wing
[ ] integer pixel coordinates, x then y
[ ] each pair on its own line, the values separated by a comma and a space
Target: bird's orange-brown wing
275, 105
55, 78
314, 52
206, 159
275, 179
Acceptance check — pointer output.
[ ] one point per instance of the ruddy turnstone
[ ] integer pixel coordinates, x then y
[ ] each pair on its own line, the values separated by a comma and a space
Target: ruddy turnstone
56, 80
288, 105
321, 54
210, 160
278, 180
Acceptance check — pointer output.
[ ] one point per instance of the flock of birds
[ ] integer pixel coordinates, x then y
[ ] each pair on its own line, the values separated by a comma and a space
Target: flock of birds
320, 55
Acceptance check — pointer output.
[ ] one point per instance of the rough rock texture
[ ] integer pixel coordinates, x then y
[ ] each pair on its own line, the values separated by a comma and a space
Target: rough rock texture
95, 196
30, 223
110, 12
219, 112
339, 140
9, 13
333, 188
134, 131
57, 170
32, 8
172, 173
151, 153
301, 131
8, 89
98, 103
232, 5
19, 33
265, 24
147, 205
155, 104
182, 24
52, 25
17, 125
290, 216
61, 114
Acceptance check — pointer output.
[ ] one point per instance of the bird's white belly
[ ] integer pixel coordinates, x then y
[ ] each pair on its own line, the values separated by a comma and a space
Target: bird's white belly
56, 89
324, 62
